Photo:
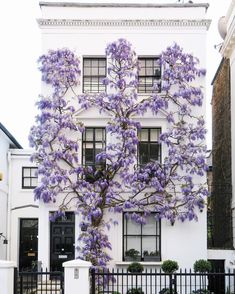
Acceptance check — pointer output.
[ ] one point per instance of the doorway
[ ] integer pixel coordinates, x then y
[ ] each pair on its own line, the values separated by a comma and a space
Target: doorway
216, 283
62, 241
28, 251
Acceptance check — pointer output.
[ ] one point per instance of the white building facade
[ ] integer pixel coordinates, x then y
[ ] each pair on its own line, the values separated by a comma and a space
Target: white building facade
150, 28
7, 141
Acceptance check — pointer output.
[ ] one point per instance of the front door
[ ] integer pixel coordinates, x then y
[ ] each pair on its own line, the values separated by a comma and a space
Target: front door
217, 282
62, 241
28, 244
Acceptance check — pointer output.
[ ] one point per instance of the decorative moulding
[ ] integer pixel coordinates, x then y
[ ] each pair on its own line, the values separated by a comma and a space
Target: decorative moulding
124, 23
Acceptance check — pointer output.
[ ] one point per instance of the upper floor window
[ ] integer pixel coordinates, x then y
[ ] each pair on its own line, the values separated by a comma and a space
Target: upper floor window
149, 146
29, 177
92, 144
141, 241
149, 74
94, 71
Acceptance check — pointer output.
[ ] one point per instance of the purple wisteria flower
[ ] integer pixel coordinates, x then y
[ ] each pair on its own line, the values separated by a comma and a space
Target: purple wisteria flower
117, 183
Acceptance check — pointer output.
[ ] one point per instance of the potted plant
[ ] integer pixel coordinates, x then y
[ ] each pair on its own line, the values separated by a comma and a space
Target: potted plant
135, 267
170, 266
151, 256
132, 255
202, 266
135, 291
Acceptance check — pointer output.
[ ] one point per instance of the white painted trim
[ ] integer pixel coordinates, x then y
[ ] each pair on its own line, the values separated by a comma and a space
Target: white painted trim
144, 263
124, 23
77, 263
7, 264
229, 41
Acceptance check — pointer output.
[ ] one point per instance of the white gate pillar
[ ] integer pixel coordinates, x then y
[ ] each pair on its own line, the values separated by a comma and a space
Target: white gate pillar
7, 276
76, 277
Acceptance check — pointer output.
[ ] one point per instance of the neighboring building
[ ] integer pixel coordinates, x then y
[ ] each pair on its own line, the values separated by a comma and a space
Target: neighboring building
7, 141
23, 210
150, 27
223, 138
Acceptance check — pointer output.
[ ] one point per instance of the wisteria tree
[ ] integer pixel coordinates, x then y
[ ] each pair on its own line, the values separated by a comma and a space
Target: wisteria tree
117, 183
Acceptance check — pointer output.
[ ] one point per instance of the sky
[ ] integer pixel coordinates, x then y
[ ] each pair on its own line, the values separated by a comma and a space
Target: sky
21, 47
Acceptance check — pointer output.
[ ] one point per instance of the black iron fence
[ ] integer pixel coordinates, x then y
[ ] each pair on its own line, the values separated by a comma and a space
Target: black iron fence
39, 282
151, 281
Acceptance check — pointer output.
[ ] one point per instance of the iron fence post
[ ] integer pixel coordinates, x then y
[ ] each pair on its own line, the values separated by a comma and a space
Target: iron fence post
93, 281
170, 278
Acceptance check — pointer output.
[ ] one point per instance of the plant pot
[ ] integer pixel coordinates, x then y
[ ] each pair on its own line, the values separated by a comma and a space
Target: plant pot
130, 258
152, 258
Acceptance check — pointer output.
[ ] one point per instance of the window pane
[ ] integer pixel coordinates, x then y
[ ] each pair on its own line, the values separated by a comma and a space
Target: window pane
133, 228
102, 62
89, 134
154, 135
94, 62
94, 71
26, 172
87, 71
149, 244
89, 156
34, 172
149, 71
99, 134
133, 243
102, 71
87, 62
26, 182
143, 153
150, 227
34, 182
149, 62
154, 151
142, 71
144, 135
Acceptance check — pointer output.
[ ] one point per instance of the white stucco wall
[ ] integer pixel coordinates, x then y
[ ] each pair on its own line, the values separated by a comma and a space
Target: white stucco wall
21, 201
4, 147
184, 242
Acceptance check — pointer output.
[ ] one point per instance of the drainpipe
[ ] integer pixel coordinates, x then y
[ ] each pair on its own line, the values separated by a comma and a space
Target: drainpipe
9, 206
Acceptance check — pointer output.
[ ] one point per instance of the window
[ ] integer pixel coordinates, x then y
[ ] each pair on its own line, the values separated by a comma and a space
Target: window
149, 146
29, 177
93, 143
149, 74
143, 240
94, 71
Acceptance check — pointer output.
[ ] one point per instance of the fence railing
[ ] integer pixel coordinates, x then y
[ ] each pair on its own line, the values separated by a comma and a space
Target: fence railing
119, 281
39, 282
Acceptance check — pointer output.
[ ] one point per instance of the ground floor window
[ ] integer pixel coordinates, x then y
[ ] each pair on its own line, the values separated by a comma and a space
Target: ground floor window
141, 242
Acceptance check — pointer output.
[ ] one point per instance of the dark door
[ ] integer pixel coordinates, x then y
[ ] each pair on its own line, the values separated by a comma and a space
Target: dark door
28, 244
217, 282
62, 241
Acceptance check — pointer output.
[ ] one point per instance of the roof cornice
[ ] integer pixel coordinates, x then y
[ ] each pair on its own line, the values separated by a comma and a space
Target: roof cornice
123, 5
229, 42
124, 23
10, 137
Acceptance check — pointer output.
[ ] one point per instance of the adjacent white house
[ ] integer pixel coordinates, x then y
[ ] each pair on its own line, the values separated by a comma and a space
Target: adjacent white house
7, 141
22, 210
87, 28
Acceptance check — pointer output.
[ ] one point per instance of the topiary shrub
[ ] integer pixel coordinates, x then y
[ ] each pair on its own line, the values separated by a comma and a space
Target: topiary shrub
135, 267
135, 291
170, 266
202, 266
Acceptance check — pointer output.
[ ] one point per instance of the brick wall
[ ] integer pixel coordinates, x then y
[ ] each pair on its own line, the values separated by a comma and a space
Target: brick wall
221, 157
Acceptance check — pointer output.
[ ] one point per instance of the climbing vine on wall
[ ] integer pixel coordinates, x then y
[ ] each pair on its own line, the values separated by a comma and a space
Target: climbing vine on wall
167, 187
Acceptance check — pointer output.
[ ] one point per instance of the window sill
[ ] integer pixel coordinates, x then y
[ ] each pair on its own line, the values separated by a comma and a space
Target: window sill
123, 263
